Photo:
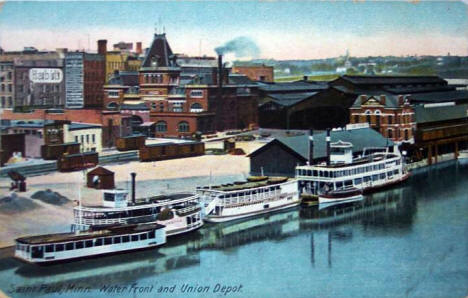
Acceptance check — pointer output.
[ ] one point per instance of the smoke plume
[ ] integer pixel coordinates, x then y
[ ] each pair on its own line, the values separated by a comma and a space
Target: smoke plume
241, 47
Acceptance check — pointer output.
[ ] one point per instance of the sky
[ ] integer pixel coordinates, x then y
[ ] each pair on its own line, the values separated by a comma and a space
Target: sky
281, 29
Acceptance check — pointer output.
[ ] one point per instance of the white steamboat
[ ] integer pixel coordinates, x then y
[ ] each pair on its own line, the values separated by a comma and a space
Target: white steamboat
179, 212
245, 199
52, 248
366, 173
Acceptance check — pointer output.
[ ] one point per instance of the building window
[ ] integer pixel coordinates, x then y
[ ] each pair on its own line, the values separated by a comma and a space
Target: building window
390, 119
196, 108
368, 116
196, 93
113, 94
406, 135
183, 126
76, 139
390, 134
93, 138
356, 118
154, 105
161, 126
87, 139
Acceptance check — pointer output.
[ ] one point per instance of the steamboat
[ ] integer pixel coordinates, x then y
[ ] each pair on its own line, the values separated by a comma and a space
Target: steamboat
178, 212
52, 248
257, 195
375, 169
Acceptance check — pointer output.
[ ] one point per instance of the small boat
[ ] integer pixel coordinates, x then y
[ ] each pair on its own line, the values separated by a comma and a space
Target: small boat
341, 195
99, 240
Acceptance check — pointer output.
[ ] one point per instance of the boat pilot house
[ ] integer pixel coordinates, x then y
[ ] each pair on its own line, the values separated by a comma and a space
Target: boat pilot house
280, 156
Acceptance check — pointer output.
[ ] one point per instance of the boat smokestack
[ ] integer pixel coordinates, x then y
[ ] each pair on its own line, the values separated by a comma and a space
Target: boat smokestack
311, 147
133, 187
327, 139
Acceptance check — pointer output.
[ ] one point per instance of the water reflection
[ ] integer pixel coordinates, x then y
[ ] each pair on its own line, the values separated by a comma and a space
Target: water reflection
388, 210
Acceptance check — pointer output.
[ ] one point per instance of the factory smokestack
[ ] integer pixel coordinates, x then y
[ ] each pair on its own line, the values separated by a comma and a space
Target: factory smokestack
220, 72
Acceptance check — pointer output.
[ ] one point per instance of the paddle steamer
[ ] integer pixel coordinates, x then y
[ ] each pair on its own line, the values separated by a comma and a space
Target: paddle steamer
179, 212
257, 195
379, 168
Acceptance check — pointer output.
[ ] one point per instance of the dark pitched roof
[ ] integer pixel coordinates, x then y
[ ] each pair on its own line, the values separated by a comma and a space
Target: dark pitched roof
408, 90
385, 80
391, 101
360, 138
100, 171
290, 99
79, 126
435, 114
239, 79
299, 86
159, 52
431, 97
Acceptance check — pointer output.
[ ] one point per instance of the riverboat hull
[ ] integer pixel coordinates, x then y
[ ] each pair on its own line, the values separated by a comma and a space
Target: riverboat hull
221, 218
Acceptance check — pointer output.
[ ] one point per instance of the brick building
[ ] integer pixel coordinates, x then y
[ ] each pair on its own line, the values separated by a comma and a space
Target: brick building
256, 73
7, 91
182, 100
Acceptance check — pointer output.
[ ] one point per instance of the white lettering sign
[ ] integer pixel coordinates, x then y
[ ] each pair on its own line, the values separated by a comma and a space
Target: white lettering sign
46, 75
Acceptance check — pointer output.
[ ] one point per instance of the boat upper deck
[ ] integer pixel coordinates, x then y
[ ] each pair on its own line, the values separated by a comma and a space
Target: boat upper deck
89, 234
356, 161
252, 182
154, 201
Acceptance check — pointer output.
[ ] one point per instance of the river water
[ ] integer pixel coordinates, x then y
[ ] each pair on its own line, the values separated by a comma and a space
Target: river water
411, 240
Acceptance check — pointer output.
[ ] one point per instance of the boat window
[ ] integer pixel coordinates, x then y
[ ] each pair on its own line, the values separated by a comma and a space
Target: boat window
326, 173
27, 248
37, 252
382, 176
109, 197
125, 239
79, 244
367, 178
339, 184
151, 235
395, 172
375, 177
143, 236
69, 246
117, 239
381, 166
98, 242
58, 247
390, 174
107, 240
89, 243
357, 181
134, 237
309, 173
49, 248
376, 167
398, 162
348, 183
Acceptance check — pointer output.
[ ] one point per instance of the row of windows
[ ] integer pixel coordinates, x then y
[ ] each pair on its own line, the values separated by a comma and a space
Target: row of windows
88, 243
8, 77
377, 119
7, 101
344, 173
359, 181
183, 126
82, 139
4, 87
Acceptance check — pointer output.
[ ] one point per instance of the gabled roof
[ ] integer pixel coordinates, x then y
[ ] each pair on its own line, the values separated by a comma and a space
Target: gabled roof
290, 99
360, 138
100, 171
391, 101
436, 114
159, 52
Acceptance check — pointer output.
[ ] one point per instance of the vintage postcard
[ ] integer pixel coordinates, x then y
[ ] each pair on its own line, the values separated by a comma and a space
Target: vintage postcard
233, 148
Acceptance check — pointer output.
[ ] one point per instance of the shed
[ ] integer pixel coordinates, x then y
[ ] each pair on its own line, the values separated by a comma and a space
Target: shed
100, 178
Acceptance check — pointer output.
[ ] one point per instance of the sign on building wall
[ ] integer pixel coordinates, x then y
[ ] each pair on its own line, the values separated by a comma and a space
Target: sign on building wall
46, 75
74, 81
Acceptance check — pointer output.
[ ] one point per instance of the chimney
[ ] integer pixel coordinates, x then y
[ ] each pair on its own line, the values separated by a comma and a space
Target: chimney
363, 98
311, 146
327, 139
382, 99
220, 72
133, 174
139, 48
102, 46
